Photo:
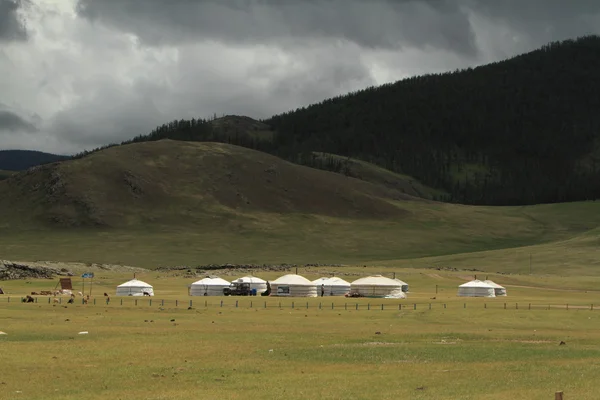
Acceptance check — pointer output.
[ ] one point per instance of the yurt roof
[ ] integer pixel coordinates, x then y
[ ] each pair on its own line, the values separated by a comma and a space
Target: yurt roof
331, 281
477, 283
134, 283
377, 280
249, 279
400, 281
215, 281
493, 284
292, 279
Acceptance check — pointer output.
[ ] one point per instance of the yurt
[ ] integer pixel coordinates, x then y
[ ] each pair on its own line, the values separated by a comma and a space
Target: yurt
403, 284
257, 284
476, 288
294, 286
332, 286
209, 286
498, 290
377, 286
134, 287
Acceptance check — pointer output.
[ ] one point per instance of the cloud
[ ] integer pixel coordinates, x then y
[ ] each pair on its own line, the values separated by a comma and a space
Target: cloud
374, 24
12, 26
93, 72
10, 121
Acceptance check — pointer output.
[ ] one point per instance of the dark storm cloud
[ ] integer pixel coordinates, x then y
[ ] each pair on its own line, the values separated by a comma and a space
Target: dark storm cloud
12, 26
386, 24
544, 20
12, 122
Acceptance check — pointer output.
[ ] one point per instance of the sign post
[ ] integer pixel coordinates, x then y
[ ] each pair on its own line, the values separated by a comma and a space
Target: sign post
87, 275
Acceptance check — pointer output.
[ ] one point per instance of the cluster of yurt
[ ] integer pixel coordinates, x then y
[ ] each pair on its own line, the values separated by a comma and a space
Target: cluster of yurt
290, 285
479, 288
293, 285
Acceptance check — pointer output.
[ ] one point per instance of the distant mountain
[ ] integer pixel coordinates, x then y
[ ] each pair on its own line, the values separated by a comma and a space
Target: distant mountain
18, 160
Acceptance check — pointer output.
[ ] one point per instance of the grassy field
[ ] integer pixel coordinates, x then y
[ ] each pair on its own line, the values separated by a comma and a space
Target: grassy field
161, 351
561, 239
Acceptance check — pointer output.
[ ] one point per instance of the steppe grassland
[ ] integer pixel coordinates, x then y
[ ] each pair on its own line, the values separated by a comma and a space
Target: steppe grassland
224, 352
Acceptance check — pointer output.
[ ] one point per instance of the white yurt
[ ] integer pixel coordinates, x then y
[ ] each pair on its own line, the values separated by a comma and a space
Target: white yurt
134, 287
403, 284
378, 286
209, 286
294, 286
333, 286
498, 290
260, 285
476, 288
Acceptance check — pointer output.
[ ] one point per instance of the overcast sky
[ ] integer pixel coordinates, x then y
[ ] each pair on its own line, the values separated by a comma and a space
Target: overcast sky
77, 74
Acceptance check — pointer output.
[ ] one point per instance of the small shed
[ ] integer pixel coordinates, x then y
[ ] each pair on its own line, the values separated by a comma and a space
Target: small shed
293, 286
135, 287
209, 286
476, 288
332, 286
377, 286
498, 290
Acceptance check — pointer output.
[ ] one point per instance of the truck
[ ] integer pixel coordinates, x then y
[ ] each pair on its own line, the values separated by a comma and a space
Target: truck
238, 289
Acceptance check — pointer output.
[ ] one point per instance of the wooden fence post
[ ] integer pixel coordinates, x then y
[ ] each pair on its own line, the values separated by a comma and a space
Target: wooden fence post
558, 395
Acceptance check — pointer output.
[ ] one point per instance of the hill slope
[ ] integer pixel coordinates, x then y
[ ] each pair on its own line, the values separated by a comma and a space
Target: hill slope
173, 203
18, 160
172, 182
520, 131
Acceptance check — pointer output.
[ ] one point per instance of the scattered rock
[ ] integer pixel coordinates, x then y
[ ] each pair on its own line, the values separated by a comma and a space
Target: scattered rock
11, 270
561, 343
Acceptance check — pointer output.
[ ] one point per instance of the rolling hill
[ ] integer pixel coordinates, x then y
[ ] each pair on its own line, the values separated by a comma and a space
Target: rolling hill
174, 182
187, 203
19, 160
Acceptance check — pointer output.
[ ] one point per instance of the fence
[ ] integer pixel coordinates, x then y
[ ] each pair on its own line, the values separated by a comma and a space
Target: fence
215, 302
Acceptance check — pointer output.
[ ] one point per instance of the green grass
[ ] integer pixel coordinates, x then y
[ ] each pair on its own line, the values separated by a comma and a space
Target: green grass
486, 238
214, 352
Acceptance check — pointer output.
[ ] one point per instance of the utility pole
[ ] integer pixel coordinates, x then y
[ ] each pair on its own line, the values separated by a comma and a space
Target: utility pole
529, 263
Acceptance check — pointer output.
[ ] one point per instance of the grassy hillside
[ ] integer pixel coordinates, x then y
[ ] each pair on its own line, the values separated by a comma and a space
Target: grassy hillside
171, 183
183, 203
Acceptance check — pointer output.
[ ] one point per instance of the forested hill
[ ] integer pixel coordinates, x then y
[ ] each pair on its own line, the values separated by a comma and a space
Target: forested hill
17, 160
521, 131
